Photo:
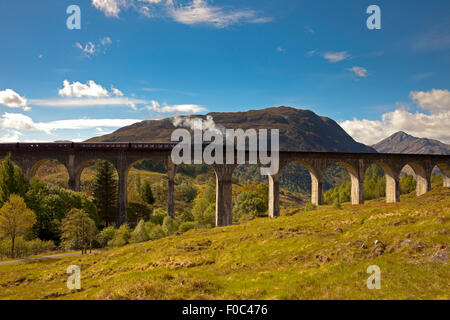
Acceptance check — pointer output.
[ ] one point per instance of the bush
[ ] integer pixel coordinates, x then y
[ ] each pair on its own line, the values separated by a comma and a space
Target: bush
309, 207
139, 233
121, 237
188, 191
170, 226
248, 205
186, 226
337, 204
186, 216
407, 184
25, 248
158, 216
156, 232
106, 235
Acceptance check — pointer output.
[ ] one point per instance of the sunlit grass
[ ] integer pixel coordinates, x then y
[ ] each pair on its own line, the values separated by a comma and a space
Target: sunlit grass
319, 254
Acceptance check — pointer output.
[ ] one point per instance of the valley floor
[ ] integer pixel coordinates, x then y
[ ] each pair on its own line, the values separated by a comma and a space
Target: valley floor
319, 254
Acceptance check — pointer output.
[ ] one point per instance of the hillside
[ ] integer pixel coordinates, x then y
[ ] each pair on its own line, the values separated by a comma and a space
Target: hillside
299, 129
320, 254
401, 142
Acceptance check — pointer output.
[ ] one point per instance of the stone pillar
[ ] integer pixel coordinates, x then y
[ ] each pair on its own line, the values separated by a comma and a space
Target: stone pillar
357, 179
224, 197
274, 195
74, 182
171, 170
446, 180
316, 188
392, 188
423, 184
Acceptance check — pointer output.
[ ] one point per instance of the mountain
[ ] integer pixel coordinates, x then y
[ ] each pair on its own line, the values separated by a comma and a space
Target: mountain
299, 129
402, 142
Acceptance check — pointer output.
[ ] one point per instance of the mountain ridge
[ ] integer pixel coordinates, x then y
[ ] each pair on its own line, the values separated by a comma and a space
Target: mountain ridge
300, 130
401, 142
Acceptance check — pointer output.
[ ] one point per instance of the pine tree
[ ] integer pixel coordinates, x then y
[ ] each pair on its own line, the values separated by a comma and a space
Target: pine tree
105, 192
146, 193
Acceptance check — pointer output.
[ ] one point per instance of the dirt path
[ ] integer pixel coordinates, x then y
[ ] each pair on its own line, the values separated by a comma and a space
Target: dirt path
42, 258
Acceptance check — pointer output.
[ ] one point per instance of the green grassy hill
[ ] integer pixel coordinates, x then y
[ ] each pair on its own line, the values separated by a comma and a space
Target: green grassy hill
319, 254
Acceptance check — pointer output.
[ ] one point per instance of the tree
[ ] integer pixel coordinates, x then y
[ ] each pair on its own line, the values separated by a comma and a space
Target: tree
51, 204
249, 204
15, 218
77, 229
147, 194
205, 205
12, 180
105, 192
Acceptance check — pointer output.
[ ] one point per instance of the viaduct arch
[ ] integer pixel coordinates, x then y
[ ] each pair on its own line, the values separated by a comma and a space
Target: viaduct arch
76, 156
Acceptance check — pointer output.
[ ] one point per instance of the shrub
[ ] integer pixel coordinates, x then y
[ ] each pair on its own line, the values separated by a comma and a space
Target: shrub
337, 204
121, 237
309, 207
139, 233
186, 226
407, 184
188, 191
248, 205
25, 248
158, 216
106, 235
170, 226
156, 232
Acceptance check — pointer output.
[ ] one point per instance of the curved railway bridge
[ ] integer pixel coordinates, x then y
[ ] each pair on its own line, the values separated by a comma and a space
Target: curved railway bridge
76, 156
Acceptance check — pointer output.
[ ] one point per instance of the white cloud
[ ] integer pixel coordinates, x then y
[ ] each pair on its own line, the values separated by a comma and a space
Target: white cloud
184, 108
311, 53
334, 57
199, 11
87, 102
12, 99
111, 8
91, 48
309, 30
11, 136
194, 12
116, 92
280, 49
17, 121
359, 71
79, 90
433, 125
434, 101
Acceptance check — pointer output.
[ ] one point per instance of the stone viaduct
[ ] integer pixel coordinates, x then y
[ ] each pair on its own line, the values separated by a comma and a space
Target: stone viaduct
76, 156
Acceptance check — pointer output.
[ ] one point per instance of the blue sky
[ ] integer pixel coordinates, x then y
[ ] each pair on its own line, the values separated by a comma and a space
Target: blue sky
144, 59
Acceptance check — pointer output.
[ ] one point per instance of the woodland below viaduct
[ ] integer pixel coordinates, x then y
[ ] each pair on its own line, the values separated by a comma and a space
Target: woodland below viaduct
76, 156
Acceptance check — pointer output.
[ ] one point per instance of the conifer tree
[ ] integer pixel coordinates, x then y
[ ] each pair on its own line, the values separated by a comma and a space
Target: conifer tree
105, 192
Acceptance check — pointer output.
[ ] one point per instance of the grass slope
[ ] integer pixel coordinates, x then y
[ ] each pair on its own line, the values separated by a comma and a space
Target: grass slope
321, 254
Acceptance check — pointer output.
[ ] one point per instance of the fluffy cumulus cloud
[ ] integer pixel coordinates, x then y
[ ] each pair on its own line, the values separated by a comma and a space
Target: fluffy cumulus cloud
334, 57
185, 12
435, 124
111, 8
12, 99
17, 121
79, 90
359, 71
